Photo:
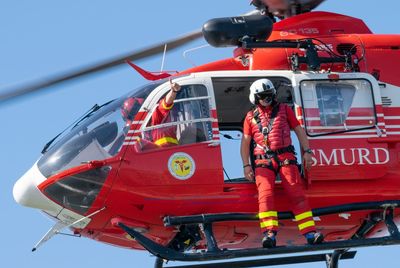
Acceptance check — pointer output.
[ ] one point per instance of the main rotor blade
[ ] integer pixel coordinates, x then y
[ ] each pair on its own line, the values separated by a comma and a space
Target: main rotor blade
14, 92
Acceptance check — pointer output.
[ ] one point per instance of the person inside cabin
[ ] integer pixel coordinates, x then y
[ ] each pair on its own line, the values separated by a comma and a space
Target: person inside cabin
129, 109
166, 136
268, 125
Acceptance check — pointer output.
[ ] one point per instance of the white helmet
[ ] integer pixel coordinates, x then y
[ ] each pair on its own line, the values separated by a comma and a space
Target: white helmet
259, 86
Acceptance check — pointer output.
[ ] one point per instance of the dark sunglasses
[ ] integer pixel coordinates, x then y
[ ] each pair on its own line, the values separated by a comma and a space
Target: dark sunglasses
265, 95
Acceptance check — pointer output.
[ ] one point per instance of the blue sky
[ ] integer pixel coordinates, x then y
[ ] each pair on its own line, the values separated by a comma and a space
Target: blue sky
42, 37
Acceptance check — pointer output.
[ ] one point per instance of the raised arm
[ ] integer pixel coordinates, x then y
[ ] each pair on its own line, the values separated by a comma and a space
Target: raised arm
175, 88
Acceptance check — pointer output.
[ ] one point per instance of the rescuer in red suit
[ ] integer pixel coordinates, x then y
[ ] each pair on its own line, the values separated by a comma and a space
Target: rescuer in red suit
165, 136
269, 125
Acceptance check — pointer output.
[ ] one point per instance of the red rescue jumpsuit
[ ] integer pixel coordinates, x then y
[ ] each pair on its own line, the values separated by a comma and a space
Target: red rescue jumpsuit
289, 173
165, 136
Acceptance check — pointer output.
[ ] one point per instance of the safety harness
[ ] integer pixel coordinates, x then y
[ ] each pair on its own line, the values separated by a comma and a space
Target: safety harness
268, 153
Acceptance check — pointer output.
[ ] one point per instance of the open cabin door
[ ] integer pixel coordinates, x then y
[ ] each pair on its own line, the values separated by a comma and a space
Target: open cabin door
342, 118
232, 100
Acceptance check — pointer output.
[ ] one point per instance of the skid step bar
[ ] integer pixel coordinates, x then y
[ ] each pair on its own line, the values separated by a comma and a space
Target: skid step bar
270, 261
209, 218
214, 253
171, 254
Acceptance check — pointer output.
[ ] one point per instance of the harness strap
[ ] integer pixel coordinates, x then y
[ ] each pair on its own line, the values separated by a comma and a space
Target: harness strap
274, 155
271, 153
269, 166
284, 163
266, 130
287, 162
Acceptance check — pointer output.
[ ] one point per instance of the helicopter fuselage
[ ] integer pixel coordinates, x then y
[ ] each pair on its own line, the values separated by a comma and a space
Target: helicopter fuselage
107, 170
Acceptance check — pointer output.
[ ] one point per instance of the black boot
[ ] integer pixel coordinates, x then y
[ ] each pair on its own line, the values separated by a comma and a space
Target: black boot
314, 238
269, 240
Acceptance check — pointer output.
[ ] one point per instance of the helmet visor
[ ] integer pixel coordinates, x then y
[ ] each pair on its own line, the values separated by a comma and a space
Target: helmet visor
266, 96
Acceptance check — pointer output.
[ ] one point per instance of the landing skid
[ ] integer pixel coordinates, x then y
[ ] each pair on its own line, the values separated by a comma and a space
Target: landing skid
332, 260
213, 253
265, 262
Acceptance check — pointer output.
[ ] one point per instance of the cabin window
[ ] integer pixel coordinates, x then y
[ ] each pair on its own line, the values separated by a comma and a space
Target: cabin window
77, 192
339, 106
189, 121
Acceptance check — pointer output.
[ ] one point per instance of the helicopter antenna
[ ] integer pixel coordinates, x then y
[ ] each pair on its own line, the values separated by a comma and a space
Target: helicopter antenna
163, 57
193, 49
59, 226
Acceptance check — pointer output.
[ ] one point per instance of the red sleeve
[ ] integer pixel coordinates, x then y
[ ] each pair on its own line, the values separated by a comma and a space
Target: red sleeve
293, 122
247, 129
160, 112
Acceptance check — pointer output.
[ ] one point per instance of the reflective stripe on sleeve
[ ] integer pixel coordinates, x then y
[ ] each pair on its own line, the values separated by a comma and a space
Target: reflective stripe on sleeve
165, 106
166, 140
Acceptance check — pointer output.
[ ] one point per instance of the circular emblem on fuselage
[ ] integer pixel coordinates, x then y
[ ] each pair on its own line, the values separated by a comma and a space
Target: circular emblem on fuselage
181, 166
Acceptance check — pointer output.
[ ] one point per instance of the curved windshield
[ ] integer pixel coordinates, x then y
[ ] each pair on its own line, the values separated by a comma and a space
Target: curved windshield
78, 192
99, 136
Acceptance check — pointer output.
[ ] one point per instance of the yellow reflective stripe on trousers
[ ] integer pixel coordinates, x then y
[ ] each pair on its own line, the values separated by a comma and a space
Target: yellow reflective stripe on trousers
166, 140
268, 223
306, 224
267, 214
302, 216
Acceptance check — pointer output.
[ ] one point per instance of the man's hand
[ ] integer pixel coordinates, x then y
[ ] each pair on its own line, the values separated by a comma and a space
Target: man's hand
175, 87
307, 160
248, 173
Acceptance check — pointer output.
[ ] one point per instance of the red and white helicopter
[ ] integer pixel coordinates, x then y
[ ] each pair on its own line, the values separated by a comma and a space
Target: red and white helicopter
106, 180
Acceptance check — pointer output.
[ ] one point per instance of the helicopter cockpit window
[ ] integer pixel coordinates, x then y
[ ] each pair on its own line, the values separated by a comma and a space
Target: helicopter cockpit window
78, 192
332, 107
189, 121
98, 136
